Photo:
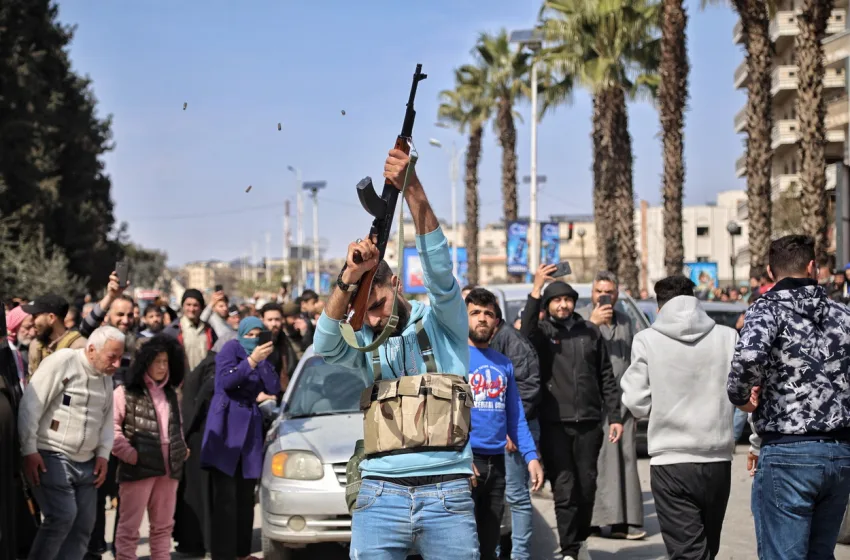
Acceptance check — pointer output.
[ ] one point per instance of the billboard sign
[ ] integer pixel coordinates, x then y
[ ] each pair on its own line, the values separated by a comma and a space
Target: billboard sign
704, 275
550, 243
414, 276
324, 282
517, 249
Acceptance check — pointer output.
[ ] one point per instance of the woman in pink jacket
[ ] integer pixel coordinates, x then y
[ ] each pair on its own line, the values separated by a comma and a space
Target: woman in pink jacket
149, 446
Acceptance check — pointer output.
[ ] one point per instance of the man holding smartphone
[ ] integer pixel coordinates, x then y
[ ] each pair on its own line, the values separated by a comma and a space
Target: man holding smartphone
619, 501
578, 388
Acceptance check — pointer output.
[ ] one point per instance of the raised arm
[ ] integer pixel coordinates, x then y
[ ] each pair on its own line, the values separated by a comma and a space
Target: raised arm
94, 319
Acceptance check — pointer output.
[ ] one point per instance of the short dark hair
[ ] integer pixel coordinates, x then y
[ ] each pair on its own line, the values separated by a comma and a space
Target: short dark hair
468, 287
790, 255
484, 298
126, 298
271, 307
152, 307
308, 295
671, 287
383, 274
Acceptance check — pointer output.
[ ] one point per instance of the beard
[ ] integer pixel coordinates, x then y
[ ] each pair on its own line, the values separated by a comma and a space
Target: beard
403, 318
480, 336
44, 337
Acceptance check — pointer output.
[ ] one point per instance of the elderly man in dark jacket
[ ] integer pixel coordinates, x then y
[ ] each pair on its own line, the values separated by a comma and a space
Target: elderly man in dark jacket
508, 341
579, 388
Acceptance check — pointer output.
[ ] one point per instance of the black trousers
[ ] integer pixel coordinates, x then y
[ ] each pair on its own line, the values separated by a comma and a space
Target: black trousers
108, 490
570, 451
690, 501
232, 514
489, 498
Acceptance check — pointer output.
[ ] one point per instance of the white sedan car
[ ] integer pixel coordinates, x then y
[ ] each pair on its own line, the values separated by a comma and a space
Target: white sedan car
302, 491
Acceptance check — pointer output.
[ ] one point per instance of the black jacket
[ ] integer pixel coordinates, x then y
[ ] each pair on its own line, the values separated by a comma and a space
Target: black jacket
141, 428
576, 375
521, 353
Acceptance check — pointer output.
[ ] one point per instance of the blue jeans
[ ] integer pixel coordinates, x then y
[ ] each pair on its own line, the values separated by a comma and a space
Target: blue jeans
518, 498
740, 423
435, 521
68, 498
799, 498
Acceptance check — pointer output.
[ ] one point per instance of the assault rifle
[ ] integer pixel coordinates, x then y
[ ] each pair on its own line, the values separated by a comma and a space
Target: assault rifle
383, 209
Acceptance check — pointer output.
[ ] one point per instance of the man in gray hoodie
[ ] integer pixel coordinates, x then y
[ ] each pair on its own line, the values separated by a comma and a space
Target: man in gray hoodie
678, 372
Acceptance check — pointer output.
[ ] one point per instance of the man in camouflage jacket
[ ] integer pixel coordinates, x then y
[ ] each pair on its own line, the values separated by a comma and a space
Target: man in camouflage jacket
790, 369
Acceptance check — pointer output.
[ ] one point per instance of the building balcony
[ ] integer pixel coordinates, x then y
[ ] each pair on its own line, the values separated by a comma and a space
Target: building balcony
786, 132
741, 166
741, 75
784, 25
836, 49
785, 183
837, 113
741, 120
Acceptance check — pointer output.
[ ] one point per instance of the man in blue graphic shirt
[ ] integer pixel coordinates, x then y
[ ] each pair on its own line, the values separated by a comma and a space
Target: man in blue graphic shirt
497, 413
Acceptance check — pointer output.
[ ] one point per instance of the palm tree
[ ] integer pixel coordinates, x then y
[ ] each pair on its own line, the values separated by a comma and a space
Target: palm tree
755, 24
755, 30
507, 70
811, 111
610, 48
672, 97
467, 108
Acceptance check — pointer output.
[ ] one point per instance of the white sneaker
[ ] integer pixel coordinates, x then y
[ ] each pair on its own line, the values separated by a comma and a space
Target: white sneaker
569, 558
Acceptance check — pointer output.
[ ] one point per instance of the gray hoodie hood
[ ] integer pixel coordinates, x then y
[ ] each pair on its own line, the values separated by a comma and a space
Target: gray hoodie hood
683, 319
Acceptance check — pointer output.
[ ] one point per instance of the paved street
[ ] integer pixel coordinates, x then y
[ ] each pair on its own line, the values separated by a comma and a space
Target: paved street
738, 535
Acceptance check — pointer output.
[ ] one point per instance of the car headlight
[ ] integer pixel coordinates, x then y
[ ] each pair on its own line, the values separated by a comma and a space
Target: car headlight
297, 465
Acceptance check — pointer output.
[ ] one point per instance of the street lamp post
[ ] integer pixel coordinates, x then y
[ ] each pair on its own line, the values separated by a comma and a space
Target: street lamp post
314, 187
531, 38
299, 225
734, 230
453, 170
581, 233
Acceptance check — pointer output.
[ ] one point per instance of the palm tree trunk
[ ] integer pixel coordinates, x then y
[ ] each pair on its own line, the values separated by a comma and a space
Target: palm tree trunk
811, 112
507, 139
624, 196
603, 192
755, 24
672, 97
473, 156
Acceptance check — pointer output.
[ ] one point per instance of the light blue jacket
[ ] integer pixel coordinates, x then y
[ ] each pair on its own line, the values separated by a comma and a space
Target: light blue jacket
447, 326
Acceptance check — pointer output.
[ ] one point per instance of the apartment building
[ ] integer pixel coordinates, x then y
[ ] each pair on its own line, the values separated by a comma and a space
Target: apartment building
784, 78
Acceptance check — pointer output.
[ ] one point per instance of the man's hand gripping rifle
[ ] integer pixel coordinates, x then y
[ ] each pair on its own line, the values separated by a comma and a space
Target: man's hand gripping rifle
383, 209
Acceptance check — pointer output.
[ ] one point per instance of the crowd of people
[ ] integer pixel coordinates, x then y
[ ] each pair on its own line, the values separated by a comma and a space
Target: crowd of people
104, 405
163, 413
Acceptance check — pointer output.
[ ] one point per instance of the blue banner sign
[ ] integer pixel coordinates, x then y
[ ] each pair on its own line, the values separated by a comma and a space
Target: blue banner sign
517, 249
550, 243
324, 282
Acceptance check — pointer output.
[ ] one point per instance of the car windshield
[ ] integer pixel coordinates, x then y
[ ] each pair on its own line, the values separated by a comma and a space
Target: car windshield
725, 318
322, 389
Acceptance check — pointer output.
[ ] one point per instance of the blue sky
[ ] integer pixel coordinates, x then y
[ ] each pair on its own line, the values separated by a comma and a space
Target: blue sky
179, 177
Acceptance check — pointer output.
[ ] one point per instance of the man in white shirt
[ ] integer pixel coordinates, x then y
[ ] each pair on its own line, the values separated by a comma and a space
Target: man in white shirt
65, 428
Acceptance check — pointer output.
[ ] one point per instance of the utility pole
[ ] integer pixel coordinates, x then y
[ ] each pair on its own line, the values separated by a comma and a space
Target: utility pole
453, 172
268, 257
313, 187
644, 245
254, 262
299, 224
285, 241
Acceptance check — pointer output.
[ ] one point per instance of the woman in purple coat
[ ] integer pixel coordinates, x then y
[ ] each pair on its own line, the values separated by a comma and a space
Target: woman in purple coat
232, 449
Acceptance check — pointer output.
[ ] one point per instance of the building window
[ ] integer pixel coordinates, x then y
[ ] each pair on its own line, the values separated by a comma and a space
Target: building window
703, 259
702, 231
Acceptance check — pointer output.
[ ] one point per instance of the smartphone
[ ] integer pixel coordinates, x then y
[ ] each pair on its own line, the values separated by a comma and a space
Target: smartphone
219, 288
562, 270
604, 299
265, 337
122, 269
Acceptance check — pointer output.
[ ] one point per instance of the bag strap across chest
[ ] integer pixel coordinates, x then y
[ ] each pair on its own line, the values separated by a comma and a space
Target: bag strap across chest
425, 349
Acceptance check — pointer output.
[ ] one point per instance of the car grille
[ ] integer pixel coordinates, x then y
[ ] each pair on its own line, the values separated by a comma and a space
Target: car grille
339, 471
